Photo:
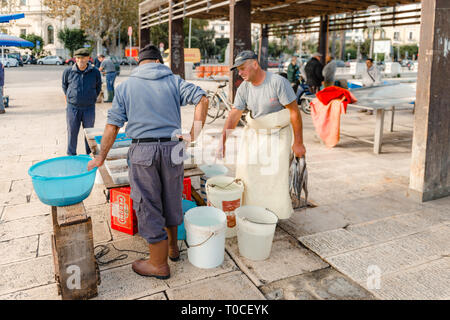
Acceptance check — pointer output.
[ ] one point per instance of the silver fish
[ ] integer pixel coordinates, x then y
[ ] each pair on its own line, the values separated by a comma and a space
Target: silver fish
298, 181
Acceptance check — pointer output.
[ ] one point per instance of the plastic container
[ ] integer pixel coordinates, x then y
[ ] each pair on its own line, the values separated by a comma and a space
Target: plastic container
63, 181
210, 170
225, 193
205, 236
187, 205
121, 141
255, 232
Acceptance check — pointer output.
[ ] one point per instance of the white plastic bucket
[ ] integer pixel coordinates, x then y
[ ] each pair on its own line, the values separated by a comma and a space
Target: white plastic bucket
210, 170
205, 236
225, 193
255, 232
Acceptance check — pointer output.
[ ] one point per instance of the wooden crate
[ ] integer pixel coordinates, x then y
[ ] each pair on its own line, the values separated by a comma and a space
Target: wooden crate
76, 271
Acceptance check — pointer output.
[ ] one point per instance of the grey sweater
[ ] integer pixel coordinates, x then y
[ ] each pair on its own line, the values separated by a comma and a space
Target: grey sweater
329, 72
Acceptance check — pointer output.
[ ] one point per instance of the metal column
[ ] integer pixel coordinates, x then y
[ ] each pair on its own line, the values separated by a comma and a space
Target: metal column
323, 38
430, 169
264, 47
240, 37
176, 43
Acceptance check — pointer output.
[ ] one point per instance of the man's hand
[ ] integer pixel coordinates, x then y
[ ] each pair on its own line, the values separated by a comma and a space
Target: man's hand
299, 150
96, 163
221, 150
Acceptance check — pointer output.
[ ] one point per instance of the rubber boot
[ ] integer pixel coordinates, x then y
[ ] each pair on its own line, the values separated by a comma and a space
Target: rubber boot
157, 265
174, 252
110, 97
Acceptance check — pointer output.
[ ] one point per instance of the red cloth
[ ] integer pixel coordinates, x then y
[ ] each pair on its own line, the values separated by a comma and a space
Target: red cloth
326, 112
331, 93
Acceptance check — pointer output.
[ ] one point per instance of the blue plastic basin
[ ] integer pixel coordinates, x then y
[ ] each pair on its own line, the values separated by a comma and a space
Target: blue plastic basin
187, 205
63, 181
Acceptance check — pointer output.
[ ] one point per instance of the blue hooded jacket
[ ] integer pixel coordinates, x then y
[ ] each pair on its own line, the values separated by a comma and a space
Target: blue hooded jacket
150, 101
2, 75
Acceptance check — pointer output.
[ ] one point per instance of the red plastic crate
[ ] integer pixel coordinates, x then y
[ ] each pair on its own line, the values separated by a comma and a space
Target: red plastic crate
123, 217
187, 193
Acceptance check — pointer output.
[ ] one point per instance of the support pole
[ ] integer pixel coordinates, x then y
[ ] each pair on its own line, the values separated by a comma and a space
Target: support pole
176, 43
430, 168
323, 38
264, 47
240, 37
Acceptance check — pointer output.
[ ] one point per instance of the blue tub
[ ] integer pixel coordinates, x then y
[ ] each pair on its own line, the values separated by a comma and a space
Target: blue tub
63, 181
187, 205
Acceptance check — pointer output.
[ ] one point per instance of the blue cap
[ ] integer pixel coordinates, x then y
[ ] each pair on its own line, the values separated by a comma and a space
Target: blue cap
242, 57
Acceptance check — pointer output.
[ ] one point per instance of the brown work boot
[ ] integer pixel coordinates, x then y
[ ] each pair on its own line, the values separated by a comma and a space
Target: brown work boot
174, 251
156, 266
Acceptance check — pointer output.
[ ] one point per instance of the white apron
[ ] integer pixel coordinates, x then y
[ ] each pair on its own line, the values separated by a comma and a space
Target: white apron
263, 162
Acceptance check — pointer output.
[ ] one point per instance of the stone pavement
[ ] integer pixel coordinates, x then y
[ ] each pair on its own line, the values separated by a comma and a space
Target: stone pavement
365, 239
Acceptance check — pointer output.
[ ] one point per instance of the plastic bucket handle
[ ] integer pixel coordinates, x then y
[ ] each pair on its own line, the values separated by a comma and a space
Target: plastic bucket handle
220, 187
263, 223
200, 244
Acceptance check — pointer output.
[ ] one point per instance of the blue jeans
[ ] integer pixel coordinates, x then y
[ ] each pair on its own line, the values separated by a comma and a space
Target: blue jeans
2, 106
110, 79
76, 117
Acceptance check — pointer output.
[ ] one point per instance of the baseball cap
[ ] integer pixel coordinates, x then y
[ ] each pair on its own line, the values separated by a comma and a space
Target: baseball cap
242, 57
317, 54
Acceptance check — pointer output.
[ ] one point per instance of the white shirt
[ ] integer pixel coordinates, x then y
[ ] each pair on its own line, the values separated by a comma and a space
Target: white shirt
371, 77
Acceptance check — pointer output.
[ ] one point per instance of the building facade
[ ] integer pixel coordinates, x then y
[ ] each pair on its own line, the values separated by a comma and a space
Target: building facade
36, 21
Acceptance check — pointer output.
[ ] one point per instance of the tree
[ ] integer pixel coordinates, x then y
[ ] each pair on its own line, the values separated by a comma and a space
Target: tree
100, 19
72, 39
34, 39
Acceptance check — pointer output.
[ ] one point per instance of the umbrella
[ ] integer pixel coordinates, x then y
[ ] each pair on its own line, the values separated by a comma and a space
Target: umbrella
4, 18
12, 41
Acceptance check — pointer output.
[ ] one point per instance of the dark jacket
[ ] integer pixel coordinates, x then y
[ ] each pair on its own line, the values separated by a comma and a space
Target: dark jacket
293, 72
82, 88
313, 71
2, 75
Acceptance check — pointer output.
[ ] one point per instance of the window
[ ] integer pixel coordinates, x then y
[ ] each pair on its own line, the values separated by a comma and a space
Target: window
222, 28
410, 36
23, 2
396, 36
23, 32
51, 35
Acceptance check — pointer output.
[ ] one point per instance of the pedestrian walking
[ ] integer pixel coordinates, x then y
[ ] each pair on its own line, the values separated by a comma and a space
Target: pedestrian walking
150, 100
273, 116
314, 69
2, 84
293, 73
108, 69
329, 72
81, 83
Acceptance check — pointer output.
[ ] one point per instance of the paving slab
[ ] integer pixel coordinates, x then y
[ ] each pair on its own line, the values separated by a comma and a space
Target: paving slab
25, 227
134, 243
5, 186
45, 244
313, 220
18, 249
393, 227
324, 284
97, 196
288, 258
158, 296
25, 186
47, 292
14, 198
25, 211
183, 272
26, 275
430, 281
123, 284
333, 242
386, 258
230, 286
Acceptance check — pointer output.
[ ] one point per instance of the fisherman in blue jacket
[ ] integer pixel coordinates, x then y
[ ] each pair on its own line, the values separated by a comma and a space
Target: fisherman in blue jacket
2, 84
150, 102
81, 83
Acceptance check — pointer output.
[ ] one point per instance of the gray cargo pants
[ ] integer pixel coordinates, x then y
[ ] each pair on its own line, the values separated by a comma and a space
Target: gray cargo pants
156, 173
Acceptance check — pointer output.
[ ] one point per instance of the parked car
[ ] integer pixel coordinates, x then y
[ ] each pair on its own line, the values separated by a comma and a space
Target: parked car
273, 63
51, 60
381, 65
71, 61
29, 60
9, 62
128, 61
340, 64
16, 55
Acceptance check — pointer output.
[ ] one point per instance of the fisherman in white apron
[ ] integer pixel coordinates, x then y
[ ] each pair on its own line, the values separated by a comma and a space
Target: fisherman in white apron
266, 142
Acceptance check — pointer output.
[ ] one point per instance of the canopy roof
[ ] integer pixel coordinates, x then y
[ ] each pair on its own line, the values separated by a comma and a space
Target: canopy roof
4, 18
154, 12
12, 41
